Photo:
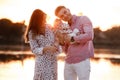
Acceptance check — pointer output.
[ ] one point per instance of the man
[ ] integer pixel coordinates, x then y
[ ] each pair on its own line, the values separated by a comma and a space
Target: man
78, 54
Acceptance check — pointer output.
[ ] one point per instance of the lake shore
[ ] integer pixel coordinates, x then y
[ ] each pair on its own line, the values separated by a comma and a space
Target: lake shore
21, 52
15, 47
27, 47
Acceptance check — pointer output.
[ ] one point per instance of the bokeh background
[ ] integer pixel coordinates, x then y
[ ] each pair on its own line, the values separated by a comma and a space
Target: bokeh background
16, 58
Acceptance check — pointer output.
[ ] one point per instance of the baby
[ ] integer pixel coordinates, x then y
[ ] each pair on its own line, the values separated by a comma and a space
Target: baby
61, 29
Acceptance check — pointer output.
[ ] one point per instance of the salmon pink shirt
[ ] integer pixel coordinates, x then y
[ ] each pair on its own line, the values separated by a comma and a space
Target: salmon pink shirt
83, 46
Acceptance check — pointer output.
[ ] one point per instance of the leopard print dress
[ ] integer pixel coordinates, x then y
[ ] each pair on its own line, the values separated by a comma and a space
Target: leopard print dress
45, 63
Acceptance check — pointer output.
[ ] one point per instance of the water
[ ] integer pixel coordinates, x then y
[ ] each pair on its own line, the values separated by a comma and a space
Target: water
105, 65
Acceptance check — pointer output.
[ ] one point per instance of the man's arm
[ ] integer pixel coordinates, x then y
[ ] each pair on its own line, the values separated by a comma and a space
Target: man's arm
88, 33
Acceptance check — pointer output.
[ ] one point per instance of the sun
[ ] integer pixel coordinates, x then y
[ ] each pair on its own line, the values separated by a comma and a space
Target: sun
50, 19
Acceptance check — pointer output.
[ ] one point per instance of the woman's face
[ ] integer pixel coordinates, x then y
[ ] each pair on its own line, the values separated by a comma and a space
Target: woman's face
64, 14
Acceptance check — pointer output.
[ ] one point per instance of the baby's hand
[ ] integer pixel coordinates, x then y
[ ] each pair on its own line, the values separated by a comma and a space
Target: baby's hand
77, 33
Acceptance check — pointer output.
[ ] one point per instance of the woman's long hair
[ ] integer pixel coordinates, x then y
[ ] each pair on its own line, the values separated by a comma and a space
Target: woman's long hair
36, 24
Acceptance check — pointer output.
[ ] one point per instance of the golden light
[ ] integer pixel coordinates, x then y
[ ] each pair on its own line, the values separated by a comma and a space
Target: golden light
101, 69
60, 70
104, 66
50, 20
28, 66
100, 14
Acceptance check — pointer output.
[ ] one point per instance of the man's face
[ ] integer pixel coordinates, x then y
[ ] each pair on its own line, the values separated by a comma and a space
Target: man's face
64, 14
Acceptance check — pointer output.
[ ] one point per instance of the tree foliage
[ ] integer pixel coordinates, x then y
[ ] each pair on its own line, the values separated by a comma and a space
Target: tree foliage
11, 33
113, 33
109, 37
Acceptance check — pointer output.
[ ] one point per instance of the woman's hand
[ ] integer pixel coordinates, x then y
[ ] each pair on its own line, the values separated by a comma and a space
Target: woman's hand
60, 37
52, 49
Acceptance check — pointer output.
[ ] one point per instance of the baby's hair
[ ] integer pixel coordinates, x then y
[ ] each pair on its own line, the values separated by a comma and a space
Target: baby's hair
57, 22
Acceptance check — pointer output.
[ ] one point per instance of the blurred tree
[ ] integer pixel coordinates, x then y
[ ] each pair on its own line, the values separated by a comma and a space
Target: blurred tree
99, 37
113, 35
5, 25
11, 33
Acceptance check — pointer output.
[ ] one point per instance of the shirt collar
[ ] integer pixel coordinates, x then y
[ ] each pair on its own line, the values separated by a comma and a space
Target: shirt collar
74, 17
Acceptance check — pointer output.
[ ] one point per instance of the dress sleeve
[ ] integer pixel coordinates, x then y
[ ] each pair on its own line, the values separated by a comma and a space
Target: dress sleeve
34, 45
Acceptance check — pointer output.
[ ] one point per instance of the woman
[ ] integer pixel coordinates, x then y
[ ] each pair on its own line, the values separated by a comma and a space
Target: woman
41, 39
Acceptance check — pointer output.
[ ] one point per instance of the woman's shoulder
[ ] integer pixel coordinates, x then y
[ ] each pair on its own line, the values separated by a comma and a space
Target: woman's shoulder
30, 33
49, 26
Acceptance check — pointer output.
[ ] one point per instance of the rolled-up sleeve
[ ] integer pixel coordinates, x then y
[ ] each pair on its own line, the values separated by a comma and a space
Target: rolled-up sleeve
36, 49
87, 31
35, 46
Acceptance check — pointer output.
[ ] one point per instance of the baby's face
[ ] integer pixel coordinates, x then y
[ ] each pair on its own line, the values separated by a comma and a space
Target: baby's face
57, 23
65, 28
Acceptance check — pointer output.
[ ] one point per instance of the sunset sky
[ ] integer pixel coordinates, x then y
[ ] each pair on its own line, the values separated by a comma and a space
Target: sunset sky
103, 13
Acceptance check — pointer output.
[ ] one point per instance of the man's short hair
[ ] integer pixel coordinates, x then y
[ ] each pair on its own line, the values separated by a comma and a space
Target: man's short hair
58, 9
